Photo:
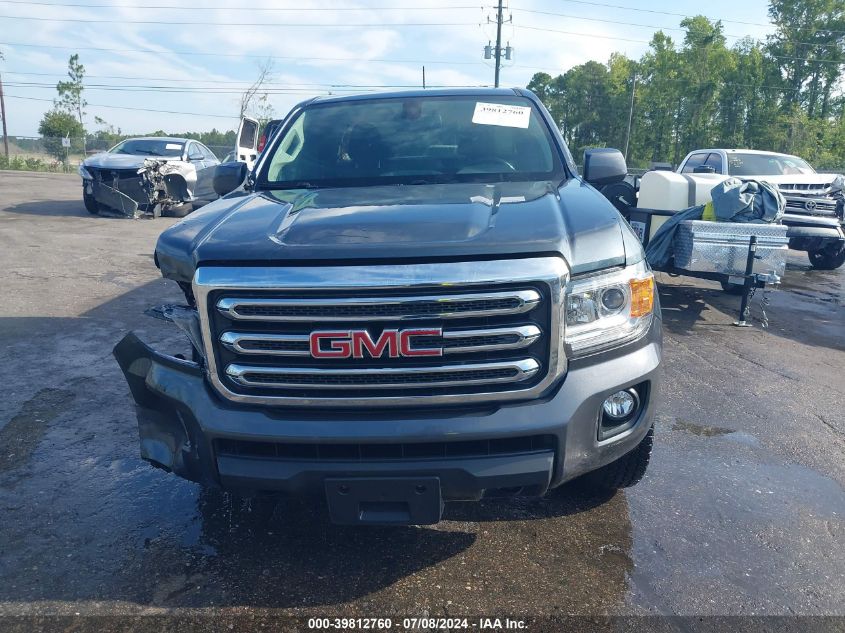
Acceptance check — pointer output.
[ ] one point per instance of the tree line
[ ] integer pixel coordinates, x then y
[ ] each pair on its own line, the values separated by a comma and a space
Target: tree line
781, 95
66, 119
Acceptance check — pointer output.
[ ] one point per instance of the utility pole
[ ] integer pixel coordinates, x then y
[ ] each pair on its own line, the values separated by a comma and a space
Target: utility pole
498, 41
498, 51
3, 116
630, 114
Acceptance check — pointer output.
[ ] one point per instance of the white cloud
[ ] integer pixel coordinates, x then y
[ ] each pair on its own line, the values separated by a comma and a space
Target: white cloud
312, 55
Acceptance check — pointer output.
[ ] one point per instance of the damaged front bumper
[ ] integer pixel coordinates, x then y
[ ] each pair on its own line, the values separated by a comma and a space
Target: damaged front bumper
808, 232
153, 189
112, 199
188, 429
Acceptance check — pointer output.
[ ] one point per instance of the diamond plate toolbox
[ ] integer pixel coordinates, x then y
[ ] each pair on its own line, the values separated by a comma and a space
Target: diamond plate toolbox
722, 247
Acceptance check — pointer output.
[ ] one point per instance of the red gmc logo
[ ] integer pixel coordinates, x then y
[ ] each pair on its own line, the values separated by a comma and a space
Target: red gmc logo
354, 343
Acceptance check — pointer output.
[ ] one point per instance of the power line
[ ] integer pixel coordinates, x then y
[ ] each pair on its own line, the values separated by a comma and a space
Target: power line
114, 107
242, 82
211, 90
299, 89
240, 55
167, 89
590, 35
648, 26
641, 10
438, 7
605, 5
626, 39
261, 24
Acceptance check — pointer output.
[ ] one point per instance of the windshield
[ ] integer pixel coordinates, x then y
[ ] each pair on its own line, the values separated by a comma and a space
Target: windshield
148, 147
740, 164
413, 141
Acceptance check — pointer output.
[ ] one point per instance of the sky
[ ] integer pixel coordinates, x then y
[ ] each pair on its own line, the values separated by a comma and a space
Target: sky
180, 66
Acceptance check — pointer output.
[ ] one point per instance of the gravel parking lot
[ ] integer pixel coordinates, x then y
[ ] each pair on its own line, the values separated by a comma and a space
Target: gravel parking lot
742, 511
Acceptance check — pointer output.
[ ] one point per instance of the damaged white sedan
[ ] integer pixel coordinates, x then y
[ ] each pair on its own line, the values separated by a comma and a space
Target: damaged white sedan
149, 176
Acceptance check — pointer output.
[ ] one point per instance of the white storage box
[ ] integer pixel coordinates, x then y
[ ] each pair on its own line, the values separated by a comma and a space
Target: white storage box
722, 247
668, 191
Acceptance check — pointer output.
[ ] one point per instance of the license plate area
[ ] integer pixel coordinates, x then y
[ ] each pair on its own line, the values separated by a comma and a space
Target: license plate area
384, 500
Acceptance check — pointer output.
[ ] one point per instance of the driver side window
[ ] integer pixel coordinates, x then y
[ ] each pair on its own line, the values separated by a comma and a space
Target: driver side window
194, 152
694, 161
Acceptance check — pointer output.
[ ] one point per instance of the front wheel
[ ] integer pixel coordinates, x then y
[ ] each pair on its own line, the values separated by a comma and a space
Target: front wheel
829, 257
178, 211
625, 471
732, 289
91, 205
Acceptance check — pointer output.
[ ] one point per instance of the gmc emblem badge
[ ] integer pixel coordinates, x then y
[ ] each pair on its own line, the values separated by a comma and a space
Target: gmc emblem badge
355, 343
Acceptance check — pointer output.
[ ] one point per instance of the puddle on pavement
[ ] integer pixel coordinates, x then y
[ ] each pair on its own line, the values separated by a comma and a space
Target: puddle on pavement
824, 286
22, 434
724, 528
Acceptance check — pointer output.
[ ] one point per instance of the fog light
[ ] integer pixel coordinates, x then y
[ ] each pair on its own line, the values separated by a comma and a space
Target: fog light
620, 406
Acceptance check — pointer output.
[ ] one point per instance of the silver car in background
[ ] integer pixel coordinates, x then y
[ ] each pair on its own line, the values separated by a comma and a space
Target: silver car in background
149, 176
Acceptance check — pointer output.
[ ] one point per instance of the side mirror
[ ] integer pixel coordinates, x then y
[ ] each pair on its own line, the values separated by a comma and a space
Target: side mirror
228, 177
704, 169
604, 166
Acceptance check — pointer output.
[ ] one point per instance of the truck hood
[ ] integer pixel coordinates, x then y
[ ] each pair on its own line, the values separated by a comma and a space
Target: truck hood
393, 223
122, 161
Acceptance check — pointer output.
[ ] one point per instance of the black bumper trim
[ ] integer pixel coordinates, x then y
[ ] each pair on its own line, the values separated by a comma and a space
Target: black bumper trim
459, 479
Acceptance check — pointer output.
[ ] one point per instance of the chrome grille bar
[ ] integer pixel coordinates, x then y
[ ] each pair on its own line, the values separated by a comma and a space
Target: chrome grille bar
266, 343
445, 306
452, 342
383, 377
516, 338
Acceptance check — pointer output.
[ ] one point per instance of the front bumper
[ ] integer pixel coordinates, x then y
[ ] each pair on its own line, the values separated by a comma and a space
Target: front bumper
808, 232
183, 423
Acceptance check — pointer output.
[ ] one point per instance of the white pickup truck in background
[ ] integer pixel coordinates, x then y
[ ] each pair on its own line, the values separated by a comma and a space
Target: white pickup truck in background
814, 202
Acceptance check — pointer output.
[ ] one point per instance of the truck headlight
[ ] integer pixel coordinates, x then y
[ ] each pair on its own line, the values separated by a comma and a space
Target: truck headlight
609, 309
86, 175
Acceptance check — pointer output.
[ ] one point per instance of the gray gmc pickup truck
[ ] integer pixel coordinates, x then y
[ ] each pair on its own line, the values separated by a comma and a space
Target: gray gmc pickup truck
412, 298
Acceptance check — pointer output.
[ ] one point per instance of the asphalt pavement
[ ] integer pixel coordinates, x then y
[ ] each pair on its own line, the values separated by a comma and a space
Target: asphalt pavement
742, 511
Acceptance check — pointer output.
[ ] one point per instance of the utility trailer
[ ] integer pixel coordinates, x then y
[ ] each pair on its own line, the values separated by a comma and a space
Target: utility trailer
741, 257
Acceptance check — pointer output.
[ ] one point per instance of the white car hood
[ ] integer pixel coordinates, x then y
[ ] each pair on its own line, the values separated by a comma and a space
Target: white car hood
803, 179
123, 161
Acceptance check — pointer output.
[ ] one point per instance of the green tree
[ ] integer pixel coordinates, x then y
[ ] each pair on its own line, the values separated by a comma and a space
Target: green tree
782, 95
808, 48
660, 94
56, 125
70, 97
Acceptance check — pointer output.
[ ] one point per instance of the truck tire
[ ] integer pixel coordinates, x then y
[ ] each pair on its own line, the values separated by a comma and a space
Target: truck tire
625, 471
622, 195
732, 289
91, 205
829, 257
179, 211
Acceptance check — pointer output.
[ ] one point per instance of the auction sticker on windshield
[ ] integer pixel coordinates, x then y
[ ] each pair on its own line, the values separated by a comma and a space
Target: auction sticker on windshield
500, 114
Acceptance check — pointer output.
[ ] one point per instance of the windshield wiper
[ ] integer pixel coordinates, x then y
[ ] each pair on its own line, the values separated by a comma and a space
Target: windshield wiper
295, 184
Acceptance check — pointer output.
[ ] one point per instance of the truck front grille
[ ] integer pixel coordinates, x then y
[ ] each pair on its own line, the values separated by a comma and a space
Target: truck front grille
496, 337
810, 205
